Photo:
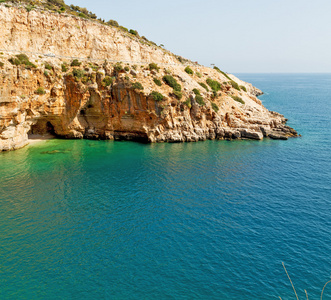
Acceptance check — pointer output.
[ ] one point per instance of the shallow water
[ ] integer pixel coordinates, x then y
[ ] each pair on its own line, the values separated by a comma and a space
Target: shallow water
207, 220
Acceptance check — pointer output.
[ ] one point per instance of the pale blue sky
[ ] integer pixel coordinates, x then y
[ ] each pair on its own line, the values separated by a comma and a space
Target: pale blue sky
238, 36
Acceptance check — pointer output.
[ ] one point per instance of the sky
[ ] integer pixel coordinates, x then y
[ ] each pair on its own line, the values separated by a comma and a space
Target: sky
238, 36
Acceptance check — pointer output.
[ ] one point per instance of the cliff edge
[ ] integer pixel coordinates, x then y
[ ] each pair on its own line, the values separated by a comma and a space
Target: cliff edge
76, 78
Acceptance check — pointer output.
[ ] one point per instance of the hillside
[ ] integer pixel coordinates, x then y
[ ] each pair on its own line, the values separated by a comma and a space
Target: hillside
78, 77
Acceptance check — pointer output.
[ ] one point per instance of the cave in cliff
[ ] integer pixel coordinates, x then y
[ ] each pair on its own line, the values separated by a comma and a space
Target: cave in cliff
41, 128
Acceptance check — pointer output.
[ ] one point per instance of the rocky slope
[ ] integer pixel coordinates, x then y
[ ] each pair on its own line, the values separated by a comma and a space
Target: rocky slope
150, 96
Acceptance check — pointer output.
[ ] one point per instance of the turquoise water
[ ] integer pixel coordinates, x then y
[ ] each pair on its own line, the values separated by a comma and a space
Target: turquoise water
207, 220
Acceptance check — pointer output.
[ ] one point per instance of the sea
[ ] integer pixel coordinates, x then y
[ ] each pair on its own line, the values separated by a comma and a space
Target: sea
82, 219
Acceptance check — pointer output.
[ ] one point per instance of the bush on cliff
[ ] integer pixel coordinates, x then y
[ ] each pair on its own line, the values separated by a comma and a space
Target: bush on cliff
188, 103
118, 68
218, 70
238, 99
75, 63
204, 86
113, 23
214, 85
157, 81
157, 96
199, 100
243, 88
235, 85
78, 73
40, 91
153, 66
134, 32
189, 71
107, 81
1, 64
48, 66
137, 86
169, 80
214, 107
64, 67
21, 59
177, 94
196, 92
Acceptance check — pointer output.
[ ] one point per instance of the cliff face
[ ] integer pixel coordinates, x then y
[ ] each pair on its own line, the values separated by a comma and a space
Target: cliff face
98, 98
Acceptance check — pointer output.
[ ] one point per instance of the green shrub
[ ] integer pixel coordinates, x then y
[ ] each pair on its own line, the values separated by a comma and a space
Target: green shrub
214, 107
199, 100
126, 68
196, 91
62, 9
124, 28
157, 96
204, 86
198, 74
218, 70
75, 63
64, 67
46, 73
118, 67
82, 15
214, 85
137, 86
113, 23
157, 81
189, 71
153, 66
188, 103
243, 88
21, 59
177, 94
1, 64
169, 80
235, 85
40, 91
107, 81
48, 66
239, 99
134, 32
78, 73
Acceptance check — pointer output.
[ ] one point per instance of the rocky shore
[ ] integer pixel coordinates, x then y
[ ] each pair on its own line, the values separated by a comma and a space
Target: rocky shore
117, 87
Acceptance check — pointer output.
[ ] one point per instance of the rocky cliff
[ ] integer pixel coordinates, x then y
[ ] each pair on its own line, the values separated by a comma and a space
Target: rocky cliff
75, 78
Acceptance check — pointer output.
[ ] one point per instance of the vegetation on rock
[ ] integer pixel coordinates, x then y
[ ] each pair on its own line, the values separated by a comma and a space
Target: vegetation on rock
75, 63
238, 99
189, 71
177, 94
199, 100
153, 66
214, 107
21, 59
218, 70
214, 85
204, 86
40, 91
137, 86
157, 81
157, 96
172, 82
235, 85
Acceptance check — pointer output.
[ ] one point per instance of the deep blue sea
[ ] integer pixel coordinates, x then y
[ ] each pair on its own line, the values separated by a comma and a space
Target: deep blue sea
208, 220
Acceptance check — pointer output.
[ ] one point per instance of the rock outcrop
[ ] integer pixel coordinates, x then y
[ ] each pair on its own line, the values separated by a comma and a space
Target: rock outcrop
149, 97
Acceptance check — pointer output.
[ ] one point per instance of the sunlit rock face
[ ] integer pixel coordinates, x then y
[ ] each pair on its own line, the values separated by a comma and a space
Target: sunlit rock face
100, 98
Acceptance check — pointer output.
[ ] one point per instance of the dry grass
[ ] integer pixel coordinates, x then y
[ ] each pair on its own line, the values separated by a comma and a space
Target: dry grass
296, 295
